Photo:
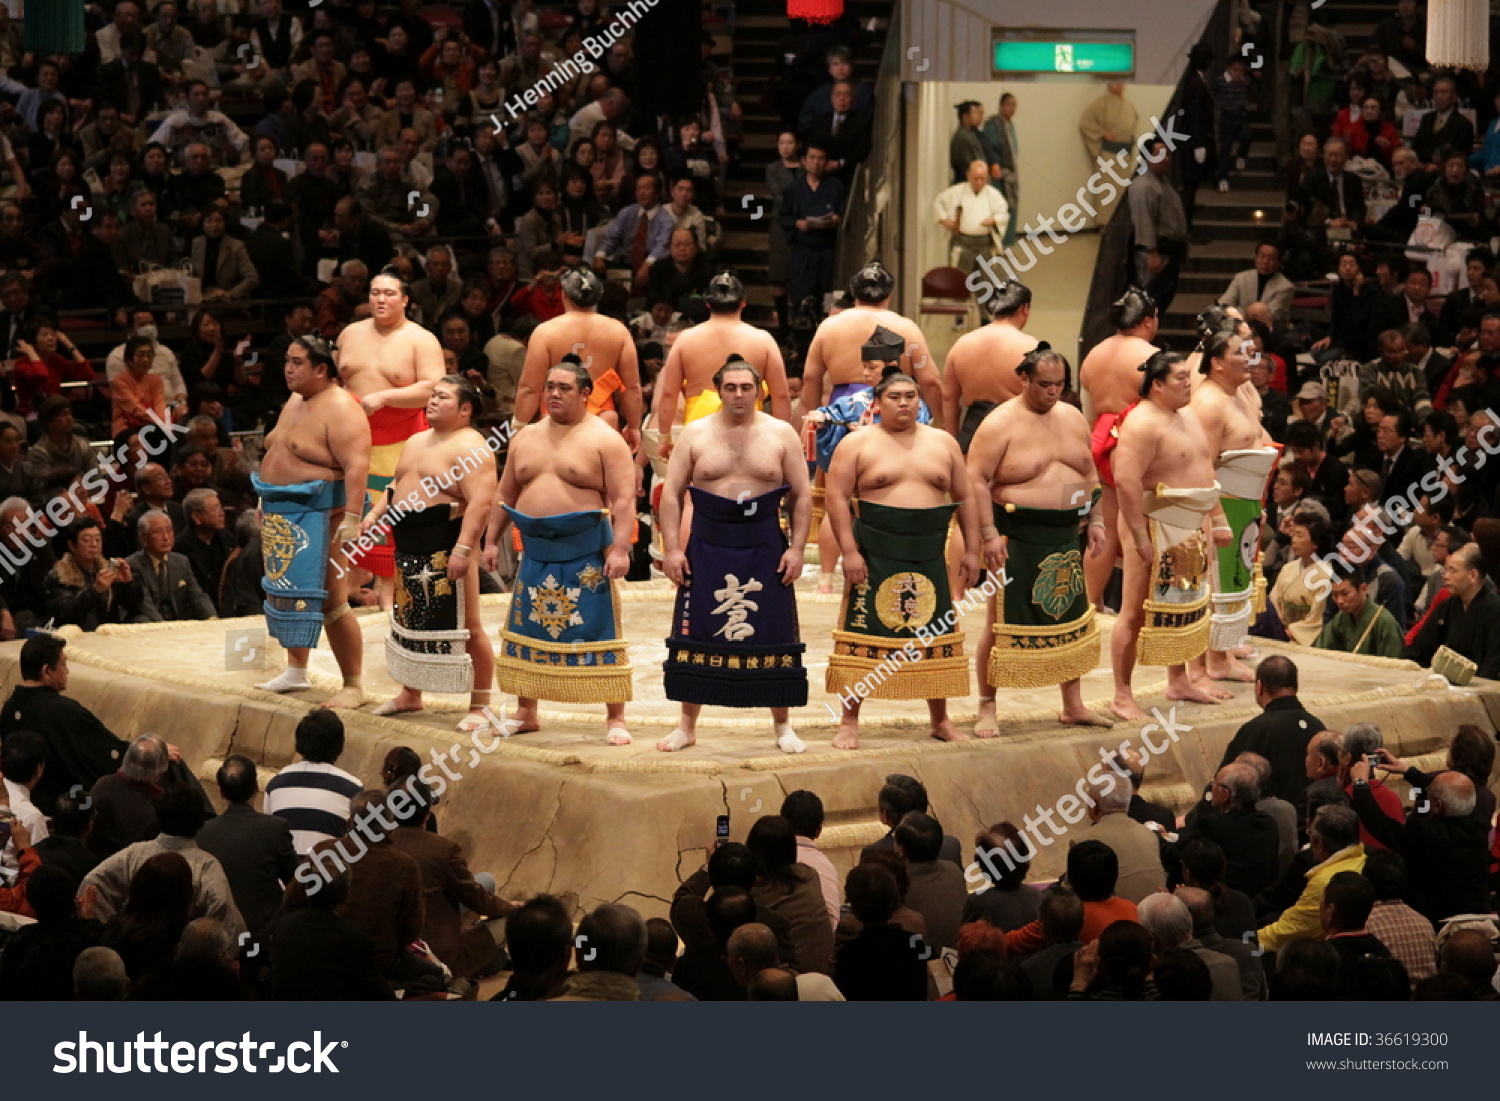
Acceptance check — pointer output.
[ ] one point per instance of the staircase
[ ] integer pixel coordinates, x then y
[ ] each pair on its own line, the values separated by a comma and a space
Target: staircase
759, 26
1231, 223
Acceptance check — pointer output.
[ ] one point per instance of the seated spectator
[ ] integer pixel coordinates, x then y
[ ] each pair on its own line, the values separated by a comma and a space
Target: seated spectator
684, 274
154, 486
1135, 846
1050, 969
1309, 446
1181, 976
163, 360
437, 291
1459, 197
1469, 956
152, 915
312, 795
842, 131
221, 262
793, 891
803, 811
660, 961
1248, 836
198, 123
40, 371
1203, 866
1008, 902
936, 887
1369, 133
1336, 848
820, 99
86, 588
23, 756
205, 968
318, 955
1282, 811
264, 183
255, 850
1093, 870
344, 300
171, 591
385, 892
452, 891
884, 962
145, 240
1331, 198
129, 84
37, 964
1469, 624
1362, 626
1346, 908
180, 815
1394, 371
239, 590
463, 204
137, 396
703, 970
610, 945
539, 941
1263, 283
205, 543
1115, 968
1298, 596
639, 237
65, 846
898, 797
1252, 976
1351, 307
687, 216
1167, 919
1406, 933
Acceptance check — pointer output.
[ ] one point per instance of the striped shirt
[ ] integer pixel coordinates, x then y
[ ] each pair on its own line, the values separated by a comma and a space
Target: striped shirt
313, 799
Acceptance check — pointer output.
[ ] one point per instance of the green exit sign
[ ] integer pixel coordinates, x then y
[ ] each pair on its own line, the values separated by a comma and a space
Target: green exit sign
1037, 56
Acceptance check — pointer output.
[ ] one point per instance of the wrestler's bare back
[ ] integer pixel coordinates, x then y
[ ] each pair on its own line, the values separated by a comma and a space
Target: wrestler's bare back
914, 469
699, 352
371, 359
437, 460
836, 352
601, 342
300, 448
561, 468
1110, 373
740, 461
981, 365
1044, 454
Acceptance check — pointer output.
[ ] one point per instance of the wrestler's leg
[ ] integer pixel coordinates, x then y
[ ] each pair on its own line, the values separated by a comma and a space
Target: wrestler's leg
344, 636
1097, 571
686, 733
942, 727
828, 556
848, 732
986, 725
524, 719
294, 676
1225, 665
1127, 630
480, 653
614, 723
1182, 687
1074, 713
954, 555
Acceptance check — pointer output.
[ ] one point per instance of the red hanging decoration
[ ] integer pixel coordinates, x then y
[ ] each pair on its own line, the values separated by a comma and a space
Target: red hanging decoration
815, 11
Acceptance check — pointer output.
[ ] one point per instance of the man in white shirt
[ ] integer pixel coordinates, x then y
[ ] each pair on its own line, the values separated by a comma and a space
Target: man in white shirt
22, 758
197, 122
804, 812
975, 214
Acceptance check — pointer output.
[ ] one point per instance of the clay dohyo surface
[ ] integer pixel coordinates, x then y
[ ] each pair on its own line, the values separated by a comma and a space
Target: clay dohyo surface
559, 810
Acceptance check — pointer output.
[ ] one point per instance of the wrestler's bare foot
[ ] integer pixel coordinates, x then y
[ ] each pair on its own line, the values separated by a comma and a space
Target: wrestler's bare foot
945, 731
1084, 717
848, 735
618, 734
404, 702
1124, 707
476, 719
678, 739
1228, 667
345, 699
986, 725
1186, 690
1203, 683
523, 721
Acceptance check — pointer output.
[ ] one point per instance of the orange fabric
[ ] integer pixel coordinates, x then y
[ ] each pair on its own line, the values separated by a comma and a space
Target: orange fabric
1097, 916
135, 401
602, 396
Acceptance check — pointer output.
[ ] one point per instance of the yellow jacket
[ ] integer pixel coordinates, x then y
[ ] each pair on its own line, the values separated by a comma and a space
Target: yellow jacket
1300, 921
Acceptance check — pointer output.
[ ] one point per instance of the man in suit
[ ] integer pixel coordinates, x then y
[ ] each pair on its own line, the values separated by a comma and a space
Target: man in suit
1432, 364
900, 796
1460, 307
129, 84
1395, 226
843, 133
1443, 127
1133, 844
255, 849
936, 887
172, 592
1281, 731
317, 955
965, 146
1333, 198
1230, 819
205, 543
1000, 150
269, 246
1171, 925
450, 889
1409, 306
1307, 441
1262, 283
1401, 464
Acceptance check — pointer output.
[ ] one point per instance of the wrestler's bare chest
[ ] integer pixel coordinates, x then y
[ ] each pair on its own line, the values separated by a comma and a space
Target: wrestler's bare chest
371, 361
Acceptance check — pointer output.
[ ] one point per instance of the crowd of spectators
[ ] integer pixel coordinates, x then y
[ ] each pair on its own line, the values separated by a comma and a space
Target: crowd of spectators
1299, 876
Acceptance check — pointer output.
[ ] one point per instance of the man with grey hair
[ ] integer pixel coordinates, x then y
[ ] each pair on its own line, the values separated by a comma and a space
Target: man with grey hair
1136, 846
205, 543
609, 947
1248, 836
345, 299
1336, 848
1167, 919
125, 801
439, 289
1468, 625
1361, 742
1445, 849
153, 485
99, 976
171, 590
1281, 811
1200, 905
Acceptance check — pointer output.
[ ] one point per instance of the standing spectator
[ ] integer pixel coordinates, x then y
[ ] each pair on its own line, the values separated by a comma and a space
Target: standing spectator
812, 210
1231, 94
312, 795
966, 146
1161, 225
